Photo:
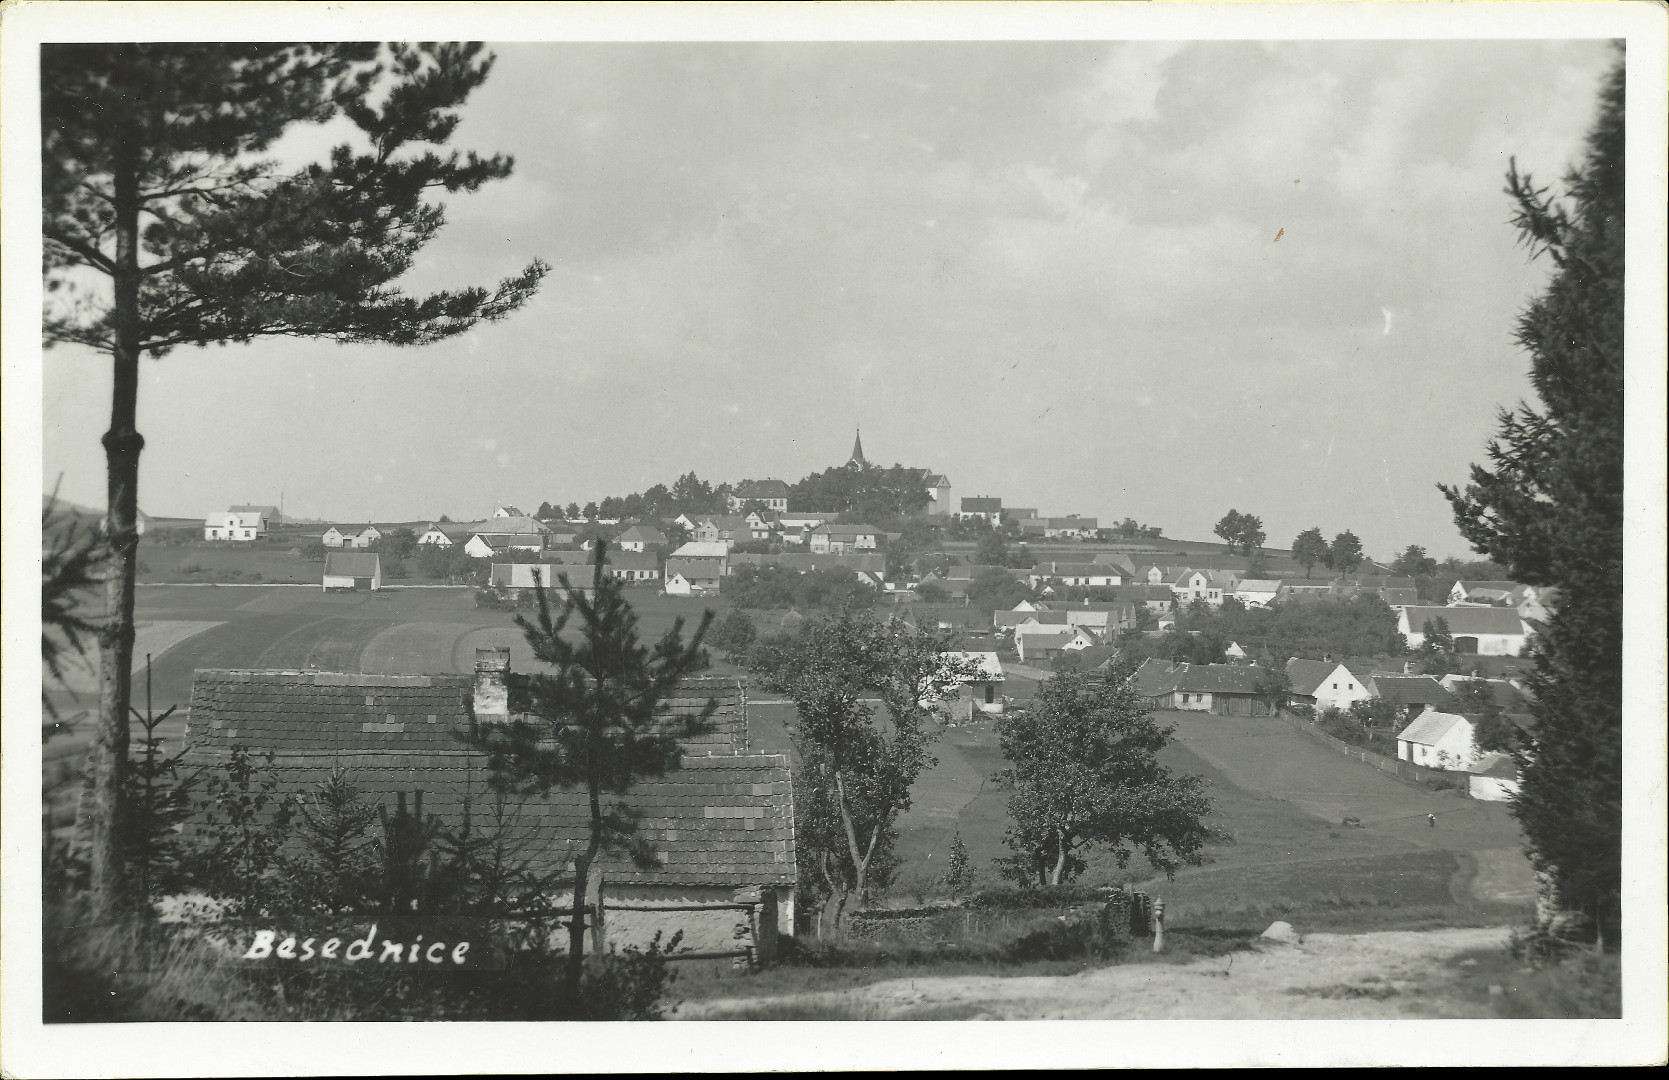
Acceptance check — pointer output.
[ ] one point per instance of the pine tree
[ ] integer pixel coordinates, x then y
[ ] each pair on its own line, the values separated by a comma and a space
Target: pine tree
334, 827
1549, 507
591, 721
150, 180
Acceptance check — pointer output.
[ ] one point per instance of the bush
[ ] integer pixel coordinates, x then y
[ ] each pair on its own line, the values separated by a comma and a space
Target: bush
1066, 938
1046, 898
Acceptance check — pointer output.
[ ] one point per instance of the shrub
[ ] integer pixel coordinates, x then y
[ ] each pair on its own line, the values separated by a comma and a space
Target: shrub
1045, 898
1066, 938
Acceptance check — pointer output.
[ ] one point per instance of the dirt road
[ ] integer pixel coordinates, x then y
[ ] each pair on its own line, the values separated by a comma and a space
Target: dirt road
1378, 976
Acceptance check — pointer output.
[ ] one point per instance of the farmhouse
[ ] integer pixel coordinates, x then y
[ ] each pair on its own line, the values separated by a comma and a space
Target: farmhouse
1438, 740
1487, 592
832, 538
523, 576
1257, 592
1412, 693
1494, 777
1223, 689
1092, 575
1189, 585
445, 535
352, 537
693, 575
228, 526
721, 828
1486, 631
805, 562
1036, 641
1071, 527
640, 538
1325, 684
981, 687
352, 570
1295, 590
634, 566
991, 509
772, 493
261, 516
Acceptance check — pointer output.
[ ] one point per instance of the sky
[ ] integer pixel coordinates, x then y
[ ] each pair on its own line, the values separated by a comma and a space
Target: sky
1146, 279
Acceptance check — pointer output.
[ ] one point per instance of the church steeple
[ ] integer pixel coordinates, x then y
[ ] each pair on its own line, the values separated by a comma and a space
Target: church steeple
856, 461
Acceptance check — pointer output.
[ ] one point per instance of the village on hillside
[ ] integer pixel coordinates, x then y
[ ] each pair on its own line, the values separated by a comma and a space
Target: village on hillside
1037, 593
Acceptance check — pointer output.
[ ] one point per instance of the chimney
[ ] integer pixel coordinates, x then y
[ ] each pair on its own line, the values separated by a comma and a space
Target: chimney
492, 696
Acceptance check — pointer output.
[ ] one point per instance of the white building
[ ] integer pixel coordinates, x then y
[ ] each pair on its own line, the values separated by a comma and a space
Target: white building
1494, 778
1439, 740
1325, 684
351, 537
228, 525
1486, 631
352, 570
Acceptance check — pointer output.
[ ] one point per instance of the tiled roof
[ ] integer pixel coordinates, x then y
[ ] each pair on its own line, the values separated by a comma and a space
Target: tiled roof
1305, 676
806, 561
644, 534
725, 818
1430, 726
1467, 620
1061, 569
1217, 679
692, 568
1499, 586
1154, 677
981, 505
517, 524
1495, 764
1413, 690
935, 480
762, 489
351, 563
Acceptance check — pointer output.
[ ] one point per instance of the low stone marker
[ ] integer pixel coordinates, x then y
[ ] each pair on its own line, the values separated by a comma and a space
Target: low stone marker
1283, 933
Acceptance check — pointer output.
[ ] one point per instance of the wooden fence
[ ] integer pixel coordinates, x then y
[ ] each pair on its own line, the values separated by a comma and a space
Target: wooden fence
1403, 770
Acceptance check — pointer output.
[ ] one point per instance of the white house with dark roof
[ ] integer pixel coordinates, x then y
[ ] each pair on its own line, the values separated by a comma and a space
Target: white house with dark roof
979, 687
446, 534
351, 537
352, 571
1438, 740
832, 537
1325, 684
720, 827
1494, 777
1091, 575
229, 526
640, 538
773, 493
1189, 585
980, 506
1486, 631
259, 515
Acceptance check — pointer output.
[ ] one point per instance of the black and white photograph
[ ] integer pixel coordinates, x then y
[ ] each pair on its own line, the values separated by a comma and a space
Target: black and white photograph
611, 516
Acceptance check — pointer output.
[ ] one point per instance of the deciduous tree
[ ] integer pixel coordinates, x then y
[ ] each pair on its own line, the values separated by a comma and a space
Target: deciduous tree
1345, 553
856, 770
1084, 774
1549, 507
1310, 548
163, 227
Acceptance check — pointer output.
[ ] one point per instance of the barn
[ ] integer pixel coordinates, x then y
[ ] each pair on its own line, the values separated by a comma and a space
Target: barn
352, 570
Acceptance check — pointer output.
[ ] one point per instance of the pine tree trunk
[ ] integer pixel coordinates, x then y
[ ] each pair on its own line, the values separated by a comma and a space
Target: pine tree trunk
582, 882
122, 444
